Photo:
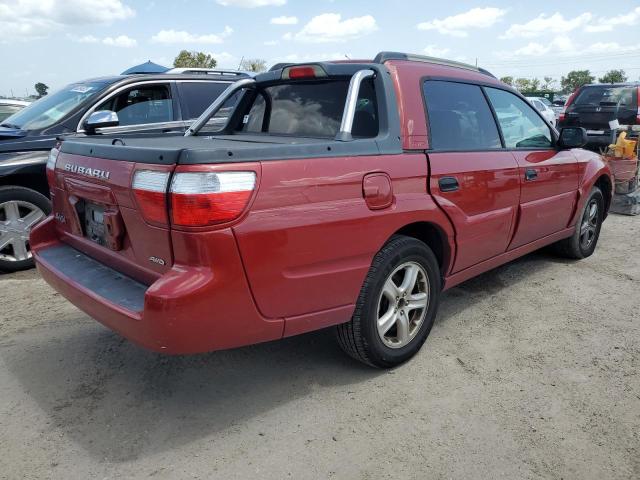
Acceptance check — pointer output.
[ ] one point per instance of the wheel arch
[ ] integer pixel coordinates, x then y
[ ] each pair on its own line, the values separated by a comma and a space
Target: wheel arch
30, 176
603, 182
434, 237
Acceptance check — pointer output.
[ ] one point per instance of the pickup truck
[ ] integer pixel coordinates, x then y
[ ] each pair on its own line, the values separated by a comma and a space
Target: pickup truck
346, 195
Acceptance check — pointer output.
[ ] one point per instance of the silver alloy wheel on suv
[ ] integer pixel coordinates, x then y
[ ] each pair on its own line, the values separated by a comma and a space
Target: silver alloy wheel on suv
403, 304
16, 219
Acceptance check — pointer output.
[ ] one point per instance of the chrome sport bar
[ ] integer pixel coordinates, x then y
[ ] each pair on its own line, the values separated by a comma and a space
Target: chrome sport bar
350, 105
202, 120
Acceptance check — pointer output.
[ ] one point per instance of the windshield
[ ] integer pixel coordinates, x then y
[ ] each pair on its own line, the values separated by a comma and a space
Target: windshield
49, 109
608, 96
312, 109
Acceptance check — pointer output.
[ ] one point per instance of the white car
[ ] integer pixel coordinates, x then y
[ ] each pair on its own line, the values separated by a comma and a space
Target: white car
543, 105
9, 107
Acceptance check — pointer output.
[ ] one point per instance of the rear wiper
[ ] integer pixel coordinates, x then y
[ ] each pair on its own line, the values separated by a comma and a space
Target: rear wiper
10, 125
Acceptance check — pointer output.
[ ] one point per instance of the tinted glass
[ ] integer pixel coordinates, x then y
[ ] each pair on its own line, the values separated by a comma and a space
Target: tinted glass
141, 105
49, 109
197, 96
459, 117
599, 96
311, 109
521, 126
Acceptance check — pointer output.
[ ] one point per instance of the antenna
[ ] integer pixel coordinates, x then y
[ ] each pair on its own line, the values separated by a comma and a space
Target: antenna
240, 64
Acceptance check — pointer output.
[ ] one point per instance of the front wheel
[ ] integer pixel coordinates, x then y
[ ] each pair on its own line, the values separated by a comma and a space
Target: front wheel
396, 307
583, 242
20, 209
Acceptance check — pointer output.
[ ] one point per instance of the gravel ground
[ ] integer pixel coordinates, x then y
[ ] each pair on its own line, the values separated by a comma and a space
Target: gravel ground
531, 371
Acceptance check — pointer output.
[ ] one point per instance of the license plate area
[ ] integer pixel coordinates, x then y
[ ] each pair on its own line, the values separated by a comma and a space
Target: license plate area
94, 227
101, 224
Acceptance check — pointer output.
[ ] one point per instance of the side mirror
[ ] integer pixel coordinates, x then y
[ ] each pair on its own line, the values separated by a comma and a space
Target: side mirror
101, 119
572, 137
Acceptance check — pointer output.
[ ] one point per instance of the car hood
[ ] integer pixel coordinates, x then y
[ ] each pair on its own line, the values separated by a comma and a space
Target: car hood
7, 132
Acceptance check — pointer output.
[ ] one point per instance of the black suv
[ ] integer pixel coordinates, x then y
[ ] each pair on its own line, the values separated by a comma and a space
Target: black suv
121, 105
594, 106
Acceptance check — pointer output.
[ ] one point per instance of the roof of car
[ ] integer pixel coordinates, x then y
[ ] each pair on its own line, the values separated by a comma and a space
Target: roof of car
204, 75
7, 101
383, 57
620, 84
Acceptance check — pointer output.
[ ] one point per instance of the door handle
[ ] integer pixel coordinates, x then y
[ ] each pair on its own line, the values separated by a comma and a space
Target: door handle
530, 174
448, 184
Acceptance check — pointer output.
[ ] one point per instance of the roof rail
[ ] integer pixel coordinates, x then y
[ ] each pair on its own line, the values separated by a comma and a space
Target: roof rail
384, 56
208, 71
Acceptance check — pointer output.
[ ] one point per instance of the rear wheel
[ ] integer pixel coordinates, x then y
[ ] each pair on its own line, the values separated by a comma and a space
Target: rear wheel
396, 307
583, 242
20, 209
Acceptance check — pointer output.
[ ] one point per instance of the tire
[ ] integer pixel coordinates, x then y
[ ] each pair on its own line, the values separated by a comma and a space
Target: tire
395, 262
20, 209
587, 228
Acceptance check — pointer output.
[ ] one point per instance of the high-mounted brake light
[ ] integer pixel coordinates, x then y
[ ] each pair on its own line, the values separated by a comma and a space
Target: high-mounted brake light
150, 187
208, 198
300, 72
51, 163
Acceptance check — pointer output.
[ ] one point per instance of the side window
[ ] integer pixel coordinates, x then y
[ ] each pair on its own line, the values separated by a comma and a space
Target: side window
197, 96
521, 126
459, 117
141, 105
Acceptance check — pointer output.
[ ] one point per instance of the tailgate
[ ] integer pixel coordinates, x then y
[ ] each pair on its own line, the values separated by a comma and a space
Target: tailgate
598, 117
98, 212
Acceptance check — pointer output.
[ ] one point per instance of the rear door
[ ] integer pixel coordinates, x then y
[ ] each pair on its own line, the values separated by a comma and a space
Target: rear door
473, 179
548, 177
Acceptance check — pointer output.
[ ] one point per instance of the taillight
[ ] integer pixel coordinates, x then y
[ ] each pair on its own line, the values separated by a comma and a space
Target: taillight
51, 163
638, 102
562, 115
150, 187
208, 198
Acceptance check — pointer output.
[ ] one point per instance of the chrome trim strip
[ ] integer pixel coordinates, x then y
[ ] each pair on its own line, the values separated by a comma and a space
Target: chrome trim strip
143, 126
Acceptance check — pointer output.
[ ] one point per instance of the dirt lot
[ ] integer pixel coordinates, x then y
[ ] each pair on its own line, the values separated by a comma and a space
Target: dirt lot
532, 371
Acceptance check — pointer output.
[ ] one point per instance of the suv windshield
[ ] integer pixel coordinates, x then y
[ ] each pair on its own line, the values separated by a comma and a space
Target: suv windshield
312, 109
51, 108
623, 96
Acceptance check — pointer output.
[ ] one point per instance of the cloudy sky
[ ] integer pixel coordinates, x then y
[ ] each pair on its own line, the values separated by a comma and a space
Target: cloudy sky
60, 41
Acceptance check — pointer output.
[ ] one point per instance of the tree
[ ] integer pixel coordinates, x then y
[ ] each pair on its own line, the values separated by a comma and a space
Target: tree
576, 79
507, 80
193, 59
253, 65
548, 83
613, 76
41, 88
527, 85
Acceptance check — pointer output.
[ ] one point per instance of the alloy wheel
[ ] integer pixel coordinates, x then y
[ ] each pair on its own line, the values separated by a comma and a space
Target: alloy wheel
402, 305
589, 226
17, 217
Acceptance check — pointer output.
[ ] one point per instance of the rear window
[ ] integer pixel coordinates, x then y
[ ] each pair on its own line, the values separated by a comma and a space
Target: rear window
608, 96
312, 109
